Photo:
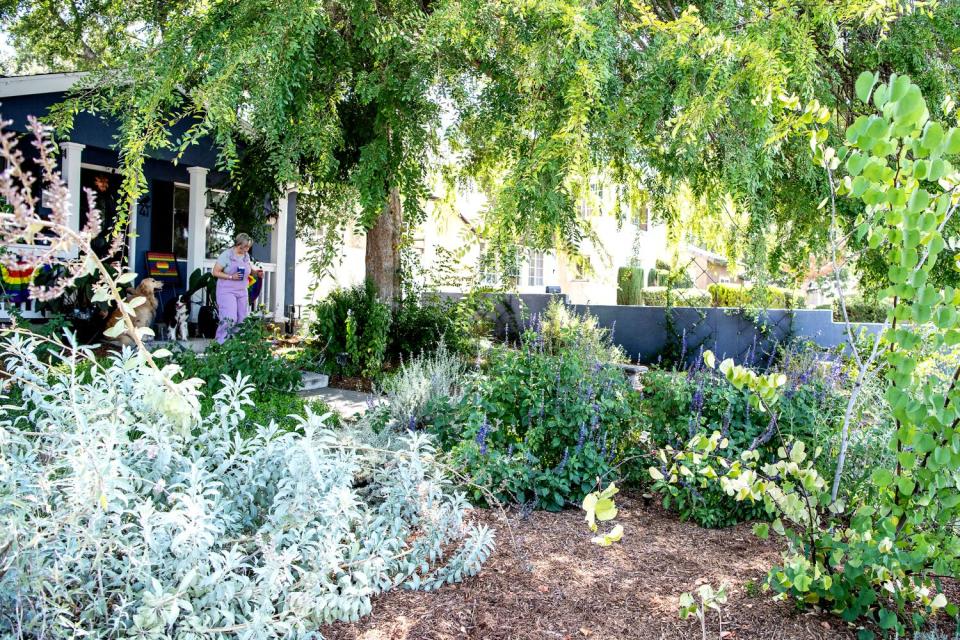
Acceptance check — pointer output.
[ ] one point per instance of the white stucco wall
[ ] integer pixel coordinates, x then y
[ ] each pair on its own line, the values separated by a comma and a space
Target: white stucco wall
448, 225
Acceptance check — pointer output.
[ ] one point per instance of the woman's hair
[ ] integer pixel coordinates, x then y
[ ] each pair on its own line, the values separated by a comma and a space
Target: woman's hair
242, 239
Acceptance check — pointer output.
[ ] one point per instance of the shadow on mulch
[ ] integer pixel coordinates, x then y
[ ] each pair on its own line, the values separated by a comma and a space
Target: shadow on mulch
560, 585
351, 383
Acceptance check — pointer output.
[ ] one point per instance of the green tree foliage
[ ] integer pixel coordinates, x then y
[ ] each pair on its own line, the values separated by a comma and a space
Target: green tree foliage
882, 558
351, 97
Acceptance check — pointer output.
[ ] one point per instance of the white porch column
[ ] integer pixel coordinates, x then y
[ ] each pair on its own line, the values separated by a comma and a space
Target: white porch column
197, 227
132, 238
278, 252
71, 175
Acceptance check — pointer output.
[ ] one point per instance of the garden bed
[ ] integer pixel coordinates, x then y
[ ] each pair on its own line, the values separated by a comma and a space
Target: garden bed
561, 585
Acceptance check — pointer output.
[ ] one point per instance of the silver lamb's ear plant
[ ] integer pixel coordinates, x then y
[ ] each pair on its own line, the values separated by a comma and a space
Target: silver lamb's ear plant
117, 520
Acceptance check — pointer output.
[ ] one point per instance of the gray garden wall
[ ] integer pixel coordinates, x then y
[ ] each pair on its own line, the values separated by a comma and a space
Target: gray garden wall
645, 334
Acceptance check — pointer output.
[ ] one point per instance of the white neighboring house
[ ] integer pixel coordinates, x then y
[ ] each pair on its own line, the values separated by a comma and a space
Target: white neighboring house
595, 283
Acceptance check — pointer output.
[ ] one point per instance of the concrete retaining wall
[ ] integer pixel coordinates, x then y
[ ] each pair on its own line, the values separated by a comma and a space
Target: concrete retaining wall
645, 334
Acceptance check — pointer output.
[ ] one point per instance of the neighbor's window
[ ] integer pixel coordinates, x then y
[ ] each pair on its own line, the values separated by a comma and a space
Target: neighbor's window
487, 267
641, 217
535, 269
582, 269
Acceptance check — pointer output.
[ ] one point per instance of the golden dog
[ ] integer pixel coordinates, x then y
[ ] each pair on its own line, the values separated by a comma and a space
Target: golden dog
143, 315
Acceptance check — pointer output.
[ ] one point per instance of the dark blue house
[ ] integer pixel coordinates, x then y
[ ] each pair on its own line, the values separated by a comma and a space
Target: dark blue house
173, 217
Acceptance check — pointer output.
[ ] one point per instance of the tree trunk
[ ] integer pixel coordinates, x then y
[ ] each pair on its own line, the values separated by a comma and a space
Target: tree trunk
382, 259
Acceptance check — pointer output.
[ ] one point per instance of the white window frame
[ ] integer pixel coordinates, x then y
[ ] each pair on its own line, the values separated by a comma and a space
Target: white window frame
535, 268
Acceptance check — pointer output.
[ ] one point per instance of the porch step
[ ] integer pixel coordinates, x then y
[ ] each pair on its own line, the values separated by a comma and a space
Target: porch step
313, 381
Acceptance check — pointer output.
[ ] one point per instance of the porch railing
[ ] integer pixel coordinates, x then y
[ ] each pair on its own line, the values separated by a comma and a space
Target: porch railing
27, 309
267, 297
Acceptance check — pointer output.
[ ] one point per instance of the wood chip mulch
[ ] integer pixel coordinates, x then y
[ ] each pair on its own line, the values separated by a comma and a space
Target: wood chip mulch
558, 584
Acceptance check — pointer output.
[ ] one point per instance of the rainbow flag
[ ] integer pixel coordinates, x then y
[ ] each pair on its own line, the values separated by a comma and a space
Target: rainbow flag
254, 284
15, 283
162, 266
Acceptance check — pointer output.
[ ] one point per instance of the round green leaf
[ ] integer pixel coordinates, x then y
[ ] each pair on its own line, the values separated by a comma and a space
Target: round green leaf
918, 201
933, 136
921, 169
855, 163
864, 85
910, 107
953, 141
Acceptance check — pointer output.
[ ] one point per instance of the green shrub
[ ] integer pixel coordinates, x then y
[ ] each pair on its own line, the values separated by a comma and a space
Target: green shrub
677, 406
561, 329
750, 296
247, 352
537, 427
630, 281
860, 309
669, 297
421, 323
356, 323
665, 275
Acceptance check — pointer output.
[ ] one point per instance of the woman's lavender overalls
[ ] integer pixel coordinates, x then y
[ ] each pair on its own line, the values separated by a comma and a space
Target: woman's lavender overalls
232, 296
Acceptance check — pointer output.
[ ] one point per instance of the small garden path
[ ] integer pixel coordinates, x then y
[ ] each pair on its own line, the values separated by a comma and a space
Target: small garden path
345, 402
560, 585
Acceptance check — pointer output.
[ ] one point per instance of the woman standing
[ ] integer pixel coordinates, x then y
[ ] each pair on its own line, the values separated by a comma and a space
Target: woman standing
231, 271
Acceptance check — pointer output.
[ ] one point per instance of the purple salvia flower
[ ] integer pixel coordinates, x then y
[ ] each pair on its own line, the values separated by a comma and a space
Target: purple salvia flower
482, 435
412, 423
696, 403
581, 438
727, 417
751, 352
773, 352
563, 461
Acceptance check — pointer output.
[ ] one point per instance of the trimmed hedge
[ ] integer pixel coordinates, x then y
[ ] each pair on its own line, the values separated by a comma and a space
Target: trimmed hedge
630, 286
860, 310
657, 297
740, 296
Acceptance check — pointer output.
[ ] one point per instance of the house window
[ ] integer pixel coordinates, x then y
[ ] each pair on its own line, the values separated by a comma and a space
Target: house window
535, 269
641, 217
582, 269
488, 268
181, 220
593, 202
219, 237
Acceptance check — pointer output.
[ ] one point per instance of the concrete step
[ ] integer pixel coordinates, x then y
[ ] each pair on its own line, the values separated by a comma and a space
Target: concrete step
313, 381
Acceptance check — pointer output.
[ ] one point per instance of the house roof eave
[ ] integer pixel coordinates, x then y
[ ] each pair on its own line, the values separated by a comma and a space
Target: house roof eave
12, 86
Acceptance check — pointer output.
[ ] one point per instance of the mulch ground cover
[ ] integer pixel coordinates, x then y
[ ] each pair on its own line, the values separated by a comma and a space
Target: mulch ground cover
558, 584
